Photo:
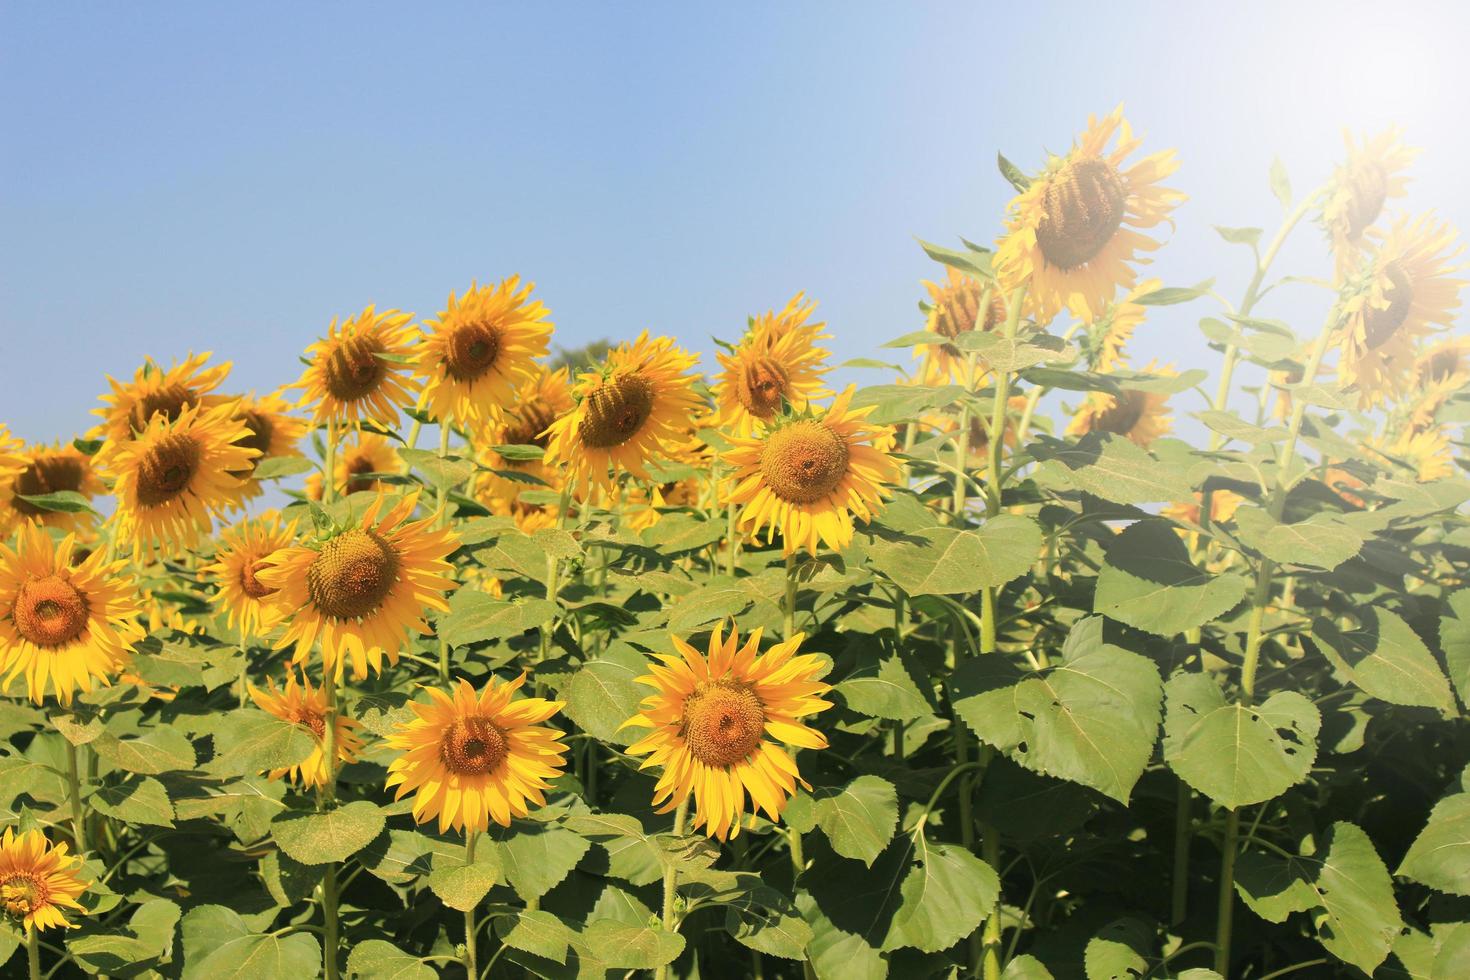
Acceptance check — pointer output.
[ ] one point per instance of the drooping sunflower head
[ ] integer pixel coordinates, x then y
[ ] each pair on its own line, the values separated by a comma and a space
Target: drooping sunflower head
270, 430
481, 349
1439, 372
359, 463
301, 704
173, 479
627, 414
1073, 232
156, 391
359, 371
954, 309
241, 555
39, 881
471, 757
718, 722
1407, 290
777, 364
1140, 416
363, 590
808, 476
1359, 189
39, 470
65, 627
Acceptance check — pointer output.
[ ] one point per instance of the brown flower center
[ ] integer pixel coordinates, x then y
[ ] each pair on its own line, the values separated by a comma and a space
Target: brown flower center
616, 410
762, 386
957, 309
804, 461
258, 427
352, 575
353, 369
1367, 190
250, 584
1082, 208
308, 717
1123, 415
47, 474
472, 350
473, 747
23, 893
357, 469
723, 722
166, 469
50, 612
1441, 366
529, 427
170, 400
1380, 323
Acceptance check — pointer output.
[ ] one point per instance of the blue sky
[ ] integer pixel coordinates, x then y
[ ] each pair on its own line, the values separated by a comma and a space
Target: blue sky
229, 178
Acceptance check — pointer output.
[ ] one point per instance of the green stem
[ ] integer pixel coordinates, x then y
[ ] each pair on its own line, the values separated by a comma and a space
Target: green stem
33, 951
730, 536
788, 603
670, 919
327, 796
471, 969
798, 865
1226, 909
244, 668
329, 915
74, 791
1179, 883
441, 520
962, 435
329, 464
553, 587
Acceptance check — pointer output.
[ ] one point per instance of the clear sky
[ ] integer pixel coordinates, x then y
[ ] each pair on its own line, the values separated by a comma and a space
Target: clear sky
180, 177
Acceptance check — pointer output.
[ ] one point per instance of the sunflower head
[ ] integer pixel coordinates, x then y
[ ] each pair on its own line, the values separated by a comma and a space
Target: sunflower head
1140, 416
1073, 232
270, 430
40, 470
1108, 335
480, 349
358, 464
808, 476
472, 757
954, 309
627, 414
777, 365
39, 881
63, 626
717, 721
301, 704
357, 371
241, 556
155, 391
1360, 187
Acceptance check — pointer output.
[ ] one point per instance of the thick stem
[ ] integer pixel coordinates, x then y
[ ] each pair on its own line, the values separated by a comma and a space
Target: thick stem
329, 916
74, 792
798, 865
33, 951
470, 959
788, 602
1227, 894
1179, 884
328, 794
670, 916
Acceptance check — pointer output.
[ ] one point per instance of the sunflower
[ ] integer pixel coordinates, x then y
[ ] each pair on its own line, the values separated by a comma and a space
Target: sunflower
481, 349
954, 309
358, 370
176, 476
38, 880
1359, 189
776, 364
1142, 416
1439, 372
63, 626
1425, 451
1223, 505
1406, 291
1108, 335
356, 465
639, 404
301, 704
42, 470
271, 430
1071, 233
977, 446
161, 615
363, 589
808, 476
155, 391
242, 551
711, 717
471, 758
539, 401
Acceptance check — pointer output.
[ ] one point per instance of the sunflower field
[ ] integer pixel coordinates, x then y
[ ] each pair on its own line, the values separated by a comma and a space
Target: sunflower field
1025, 662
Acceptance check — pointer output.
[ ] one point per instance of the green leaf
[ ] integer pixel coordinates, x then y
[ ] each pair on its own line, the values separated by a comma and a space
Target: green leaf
376, 959
1440, 855
1235, 754
1280, 182
603, 694
627, 947
677, 533
400, 856
1012, 173
87, 447
835, 952
1454, 640
519, 453
148, 937
1170, 295
288, 881
281, 466
1117, 952
1091, 718
765, 920
860, 819
252, 741
888, 692
945, 895
1232, 426
1348, 892
476, 616
1113, 468
1026, 967
901, 403
705, 606
1150, 583
950, 561
537, 932
1010, 354
218, 945
154, 751
1240, 236
62, 501
328, 836
537, 856
460, 884
1386, 658
135, 799
441, 472
1321, 541
971, 262
632, 853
